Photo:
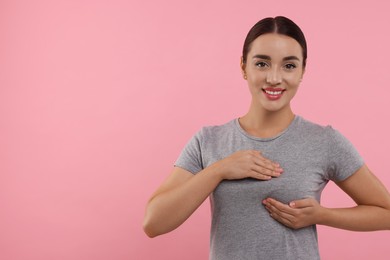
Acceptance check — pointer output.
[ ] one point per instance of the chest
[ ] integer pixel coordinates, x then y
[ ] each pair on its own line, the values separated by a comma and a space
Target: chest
304, 163
291, 185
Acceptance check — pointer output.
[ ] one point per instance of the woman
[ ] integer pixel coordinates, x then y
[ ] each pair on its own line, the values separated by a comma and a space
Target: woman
265, 171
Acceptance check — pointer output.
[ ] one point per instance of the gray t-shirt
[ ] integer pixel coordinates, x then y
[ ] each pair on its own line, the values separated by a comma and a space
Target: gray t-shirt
241, 227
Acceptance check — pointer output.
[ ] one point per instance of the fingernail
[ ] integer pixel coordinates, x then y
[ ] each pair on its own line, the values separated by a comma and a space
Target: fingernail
292, 204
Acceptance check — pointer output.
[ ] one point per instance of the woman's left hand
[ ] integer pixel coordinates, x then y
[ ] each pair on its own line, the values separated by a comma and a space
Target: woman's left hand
297, 214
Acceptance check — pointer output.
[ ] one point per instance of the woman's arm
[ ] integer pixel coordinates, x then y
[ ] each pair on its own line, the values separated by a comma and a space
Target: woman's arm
179, 196
183, 192
371, 213
373, 204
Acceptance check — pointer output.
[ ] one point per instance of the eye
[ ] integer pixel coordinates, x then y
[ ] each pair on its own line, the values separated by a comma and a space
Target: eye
290, 66
261, 64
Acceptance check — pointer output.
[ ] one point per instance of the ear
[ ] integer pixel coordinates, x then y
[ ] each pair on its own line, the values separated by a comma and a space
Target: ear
243, 67
303, 73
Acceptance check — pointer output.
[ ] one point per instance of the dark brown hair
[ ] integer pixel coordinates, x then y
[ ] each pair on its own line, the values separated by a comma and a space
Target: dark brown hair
280, 25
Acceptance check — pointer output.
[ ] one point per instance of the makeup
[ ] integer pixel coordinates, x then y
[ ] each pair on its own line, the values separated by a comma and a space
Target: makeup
273, 93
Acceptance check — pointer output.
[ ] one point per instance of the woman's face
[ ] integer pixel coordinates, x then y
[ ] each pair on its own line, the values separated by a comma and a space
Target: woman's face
273, 71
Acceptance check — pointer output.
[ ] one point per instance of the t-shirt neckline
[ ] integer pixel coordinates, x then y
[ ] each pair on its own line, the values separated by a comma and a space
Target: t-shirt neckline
242, 131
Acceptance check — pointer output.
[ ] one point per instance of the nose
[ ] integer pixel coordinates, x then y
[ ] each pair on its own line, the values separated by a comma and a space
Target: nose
274, 77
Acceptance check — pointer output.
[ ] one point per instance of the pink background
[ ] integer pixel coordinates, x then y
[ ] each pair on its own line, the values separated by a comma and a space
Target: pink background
97, 99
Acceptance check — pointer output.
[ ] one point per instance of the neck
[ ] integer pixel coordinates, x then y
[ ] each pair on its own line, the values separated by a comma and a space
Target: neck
266, 124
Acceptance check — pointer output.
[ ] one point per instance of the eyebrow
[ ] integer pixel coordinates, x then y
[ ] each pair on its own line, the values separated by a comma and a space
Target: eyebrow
266, 57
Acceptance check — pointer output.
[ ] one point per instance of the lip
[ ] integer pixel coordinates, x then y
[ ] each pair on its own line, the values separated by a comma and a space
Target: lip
273, 93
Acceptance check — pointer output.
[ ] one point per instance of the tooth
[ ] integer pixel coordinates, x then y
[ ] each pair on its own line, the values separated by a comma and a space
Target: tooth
273, 92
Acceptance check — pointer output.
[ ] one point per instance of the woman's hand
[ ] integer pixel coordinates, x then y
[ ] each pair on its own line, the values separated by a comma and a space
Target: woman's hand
297, 214
248, 164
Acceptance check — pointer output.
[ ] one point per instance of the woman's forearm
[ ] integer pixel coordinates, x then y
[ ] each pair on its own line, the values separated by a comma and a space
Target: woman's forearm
359, 218
373, 199
168, 210
174, 203
306, 212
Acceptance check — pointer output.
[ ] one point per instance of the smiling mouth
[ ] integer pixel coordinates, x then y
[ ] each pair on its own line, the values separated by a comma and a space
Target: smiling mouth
273, 93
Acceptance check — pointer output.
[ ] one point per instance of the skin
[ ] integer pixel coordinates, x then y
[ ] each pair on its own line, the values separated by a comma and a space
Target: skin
267, 118
371, 213
274, 61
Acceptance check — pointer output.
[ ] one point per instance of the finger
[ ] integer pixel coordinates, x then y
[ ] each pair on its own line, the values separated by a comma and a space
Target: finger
303, 203
275, 164
263, 171
267, 167
262, 166
278, 207
282, 219
281, 216
268, 162
271, 165
260, 176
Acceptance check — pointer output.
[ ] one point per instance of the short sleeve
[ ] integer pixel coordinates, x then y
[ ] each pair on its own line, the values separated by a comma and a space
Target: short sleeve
190, 158
344, 159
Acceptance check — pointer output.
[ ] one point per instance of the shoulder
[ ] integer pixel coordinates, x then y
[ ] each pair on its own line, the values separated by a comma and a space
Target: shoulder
324, 134
212, 131
310, 128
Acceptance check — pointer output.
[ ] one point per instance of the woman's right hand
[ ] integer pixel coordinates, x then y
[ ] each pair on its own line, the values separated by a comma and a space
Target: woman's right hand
248, 164
183, 192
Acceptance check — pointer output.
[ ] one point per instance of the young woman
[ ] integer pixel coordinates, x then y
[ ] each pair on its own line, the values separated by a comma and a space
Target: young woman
265, 171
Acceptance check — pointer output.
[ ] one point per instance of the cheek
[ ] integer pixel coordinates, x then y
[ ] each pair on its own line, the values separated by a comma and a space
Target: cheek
293, 80
256, 79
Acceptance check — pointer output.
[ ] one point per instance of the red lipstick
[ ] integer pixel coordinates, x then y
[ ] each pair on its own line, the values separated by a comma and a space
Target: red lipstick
273, 93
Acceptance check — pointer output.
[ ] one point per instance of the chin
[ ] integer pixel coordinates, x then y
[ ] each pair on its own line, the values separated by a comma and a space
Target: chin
273, 108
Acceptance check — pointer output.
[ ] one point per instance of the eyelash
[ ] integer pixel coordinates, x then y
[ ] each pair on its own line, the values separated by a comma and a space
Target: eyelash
261, 64
288, 66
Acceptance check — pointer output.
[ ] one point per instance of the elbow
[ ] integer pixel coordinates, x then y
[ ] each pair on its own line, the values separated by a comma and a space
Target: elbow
155, 223
149, 232
151, 224
148, 228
